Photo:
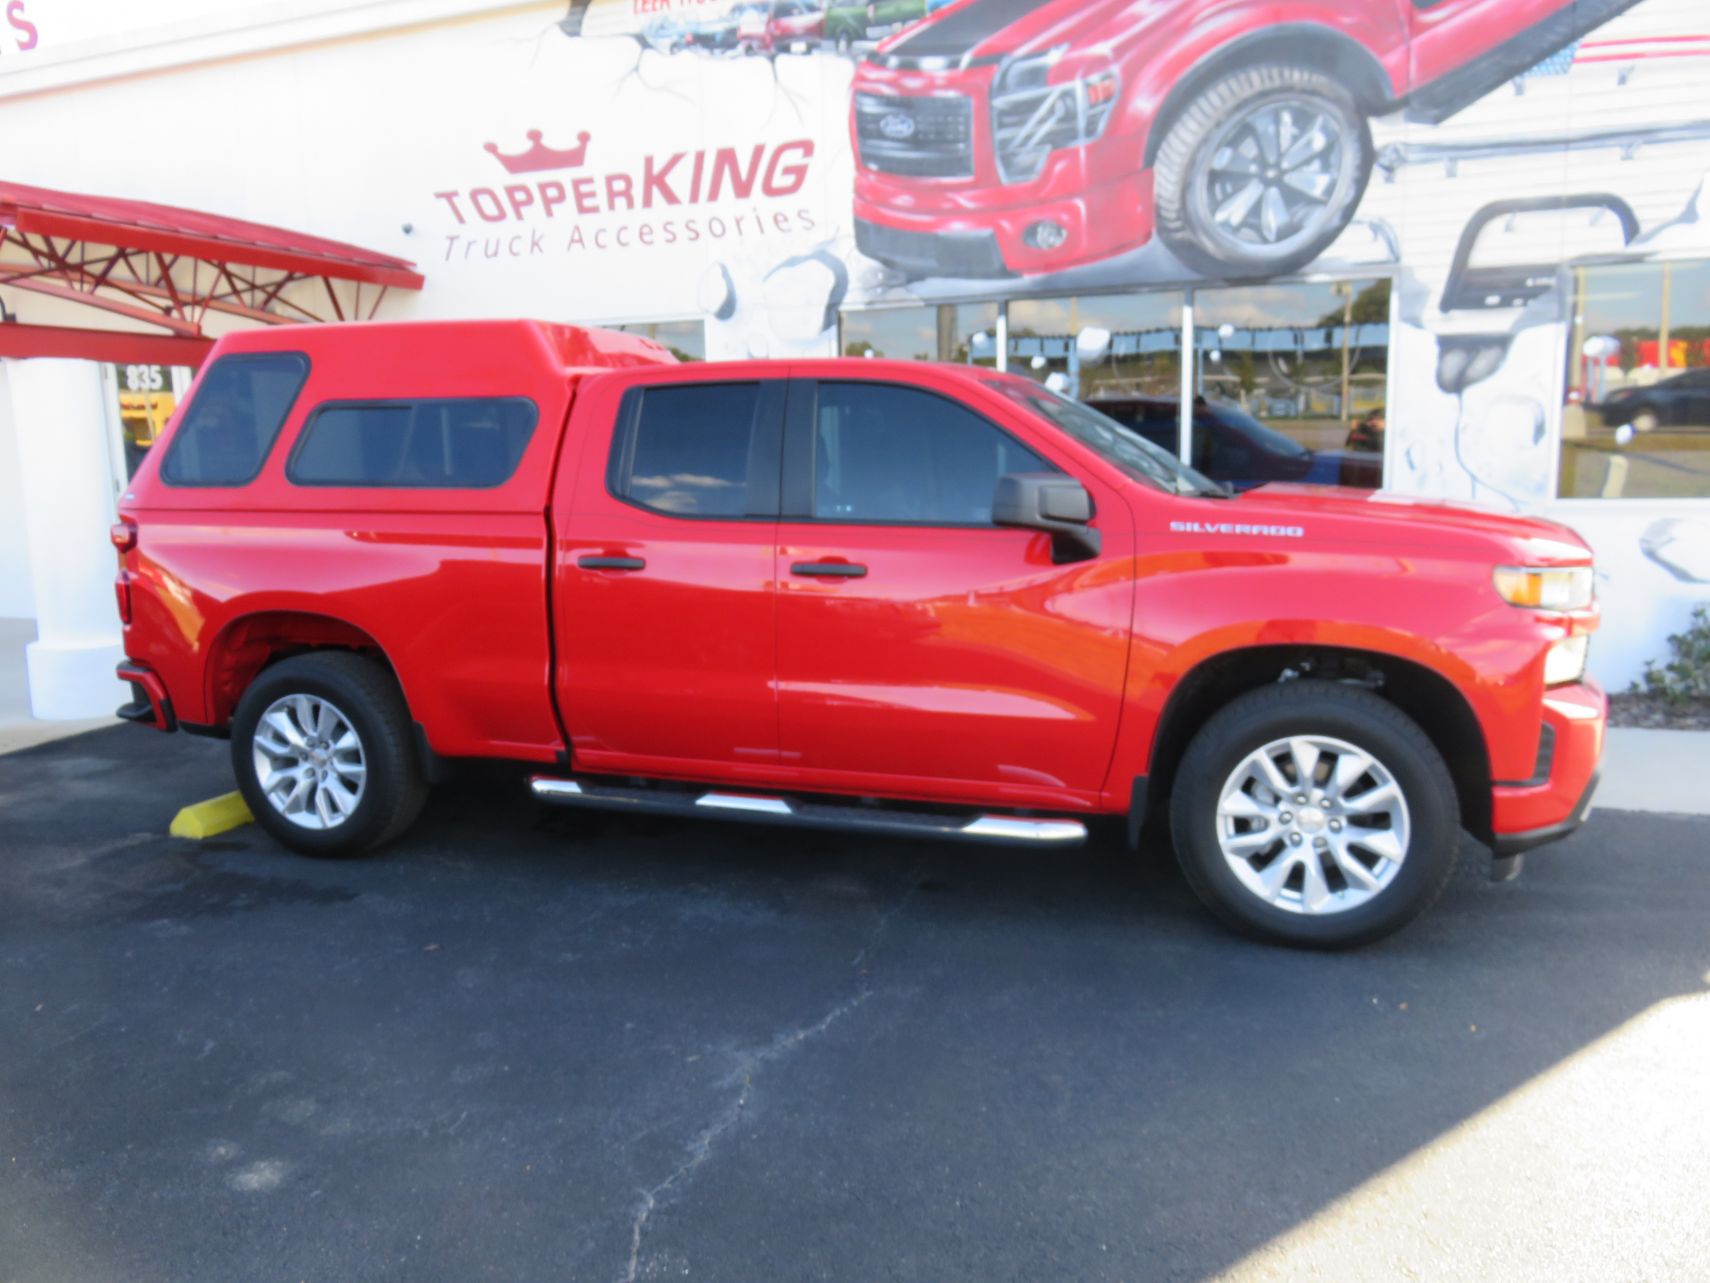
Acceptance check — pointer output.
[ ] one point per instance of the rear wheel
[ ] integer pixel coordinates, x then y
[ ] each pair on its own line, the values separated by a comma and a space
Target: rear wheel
1261, 171
323, 754
1314, 813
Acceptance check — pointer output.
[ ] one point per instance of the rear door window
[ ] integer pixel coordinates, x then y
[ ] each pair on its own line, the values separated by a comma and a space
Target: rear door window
467, 443
240, 404
699, 449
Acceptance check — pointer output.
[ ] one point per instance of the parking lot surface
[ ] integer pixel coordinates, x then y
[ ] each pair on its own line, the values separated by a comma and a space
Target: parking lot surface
527, 1045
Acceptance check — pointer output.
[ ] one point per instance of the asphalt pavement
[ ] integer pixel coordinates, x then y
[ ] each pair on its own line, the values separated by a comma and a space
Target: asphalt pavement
534, 1045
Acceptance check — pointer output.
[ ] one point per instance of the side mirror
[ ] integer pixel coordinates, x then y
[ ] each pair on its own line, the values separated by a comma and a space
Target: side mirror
1051, 502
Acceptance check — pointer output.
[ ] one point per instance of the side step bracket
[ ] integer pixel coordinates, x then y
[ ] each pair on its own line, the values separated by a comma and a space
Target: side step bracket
1002, 830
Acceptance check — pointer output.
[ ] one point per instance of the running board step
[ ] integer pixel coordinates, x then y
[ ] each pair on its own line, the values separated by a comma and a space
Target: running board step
1003, 830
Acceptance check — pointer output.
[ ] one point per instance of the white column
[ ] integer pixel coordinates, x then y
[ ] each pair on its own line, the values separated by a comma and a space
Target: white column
1190, 387
17, 600
60, 416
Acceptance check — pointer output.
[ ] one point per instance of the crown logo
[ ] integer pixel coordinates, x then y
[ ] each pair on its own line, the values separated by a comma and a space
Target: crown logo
539, 156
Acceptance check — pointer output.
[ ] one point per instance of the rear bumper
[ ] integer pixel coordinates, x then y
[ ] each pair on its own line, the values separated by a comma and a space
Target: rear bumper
150, 704
1537, 811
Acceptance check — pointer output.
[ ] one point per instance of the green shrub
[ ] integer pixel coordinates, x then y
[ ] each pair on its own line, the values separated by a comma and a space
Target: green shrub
1685, 677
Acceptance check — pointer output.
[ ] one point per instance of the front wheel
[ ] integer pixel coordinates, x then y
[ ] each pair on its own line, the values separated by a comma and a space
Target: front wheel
323, 753
1261, 171
1314, 813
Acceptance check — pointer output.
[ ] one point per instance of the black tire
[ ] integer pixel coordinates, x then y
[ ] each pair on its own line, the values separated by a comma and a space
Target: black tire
1182, 185
367, 695
1341, 712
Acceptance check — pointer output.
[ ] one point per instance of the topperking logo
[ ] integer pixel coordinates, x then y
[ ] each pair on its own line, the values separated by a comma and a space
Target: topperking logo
710, 193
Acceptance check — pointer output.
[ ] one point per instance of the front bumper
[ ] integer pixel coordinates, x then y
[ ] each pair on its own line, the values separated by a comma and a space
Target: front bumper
936, 229
1534, 812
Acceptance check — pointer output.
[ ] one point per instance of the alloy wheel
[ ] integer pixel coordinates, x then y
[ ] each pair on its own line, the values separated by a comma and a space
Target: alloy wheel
309, 761
1275, 176
1313, 825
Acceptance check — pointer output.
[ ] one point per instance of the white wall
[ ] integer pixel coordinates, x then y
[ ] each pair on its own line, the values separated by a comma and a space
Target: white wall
17, 600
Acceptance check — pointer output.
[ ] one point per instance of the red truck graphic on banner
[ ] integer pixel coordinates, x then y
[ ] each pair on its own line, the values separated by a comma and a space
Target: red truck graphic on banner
1001, 137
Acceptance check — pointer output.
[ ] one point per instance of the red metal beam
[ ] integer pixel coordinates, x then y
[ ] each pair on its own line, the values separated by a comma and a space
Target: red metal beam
101, 345
185, 329
97, 232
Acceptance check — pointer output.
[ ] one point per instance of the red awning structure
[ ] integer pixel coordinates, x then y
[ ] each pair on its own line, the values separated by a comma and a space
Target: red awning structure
168, 268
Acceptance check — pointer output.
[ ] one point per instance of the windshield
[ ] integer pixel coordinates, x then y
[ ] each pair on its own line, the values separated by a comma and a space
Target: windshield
1127, 449
1267, 439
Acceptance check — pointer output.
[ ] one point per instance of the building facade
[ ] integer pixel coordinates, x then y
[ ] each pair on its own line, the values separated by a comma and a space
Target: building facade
1458, 248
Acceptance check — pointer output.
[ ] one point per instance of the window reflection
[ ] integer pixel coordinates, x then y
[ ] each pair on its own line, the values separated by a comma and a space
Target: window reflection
964, 333
1305, 364
687, 340
1102, 344
1636, 419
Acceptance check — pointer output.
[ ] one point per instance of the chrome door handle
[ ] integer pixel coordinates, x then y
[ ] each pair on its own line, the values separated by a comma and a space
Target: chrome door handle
829, 569
611, 563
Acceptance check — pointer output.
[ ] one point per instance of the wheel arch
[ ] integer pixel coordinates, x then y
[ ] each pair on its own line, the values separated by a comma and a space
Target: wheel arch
1426, 695
1301, 44
252, 642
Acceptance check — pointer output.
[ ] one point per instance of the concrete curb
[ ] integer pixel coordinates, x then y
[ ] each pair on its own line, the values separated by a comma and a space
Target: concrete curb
1654, 770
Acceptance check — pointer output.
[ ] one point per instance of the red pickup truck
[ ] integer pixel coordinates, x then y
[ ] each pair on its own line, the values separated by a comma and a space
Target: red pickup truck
1026, 136
872, 595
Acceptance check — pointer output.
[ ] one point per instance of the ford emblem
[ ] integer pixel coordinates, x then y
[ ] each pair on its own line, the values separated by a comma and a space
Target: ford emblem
897, 126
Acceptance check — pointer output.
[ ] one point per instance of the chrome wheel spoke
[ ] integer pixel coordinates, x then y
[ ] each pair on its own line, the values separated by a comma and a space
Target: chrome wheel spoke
279, 722
1349, 768
1253, 842
1353, 869
1380, 842
1304, 754
1275, 875
1272, 774
1314, 890
1244, 806
1315, 187
1307, 146
1379, 798
1274, 215
1235, 209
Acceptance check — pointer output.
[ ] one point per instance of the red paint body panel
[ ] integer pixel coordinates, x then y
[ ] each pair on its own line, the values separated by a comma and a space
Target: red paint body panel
1100, 191
965, 666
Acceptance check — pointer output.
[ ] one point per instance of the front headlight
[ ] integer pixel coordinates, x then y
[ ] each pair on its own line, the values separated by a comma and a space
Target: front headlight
1545, 587
1565, 661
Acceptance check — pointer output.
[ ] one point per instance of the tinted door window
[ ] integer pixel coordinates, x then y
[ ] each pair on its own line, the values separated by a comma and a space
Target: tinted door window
888, 453
239, 406
686, 449
469, 443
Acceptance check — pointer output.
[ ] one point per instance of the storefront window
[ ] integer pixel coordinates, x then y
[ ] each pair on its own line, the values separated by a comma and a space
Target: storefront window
1291, 382
1636, 422
146, 401
686, 339
964, 333
1100, 347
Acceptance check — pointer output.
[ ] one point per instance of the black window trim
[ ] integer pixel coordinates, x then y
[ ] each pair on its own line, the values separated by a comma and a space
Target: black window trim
369, 403
765, 448
801, 439
266, 451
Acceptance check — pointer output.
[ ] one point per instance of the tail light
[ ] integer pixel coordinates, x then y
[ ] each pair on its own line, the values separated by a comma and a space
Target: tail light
122, 591
124, 534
